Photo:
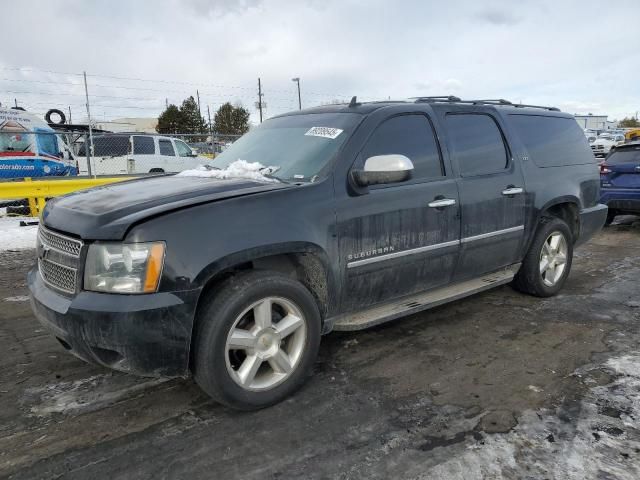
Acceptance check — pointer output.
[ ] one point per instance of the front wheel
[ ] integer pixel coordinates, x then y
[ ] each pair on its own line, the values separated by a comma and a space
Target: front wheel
257, 338
546, 266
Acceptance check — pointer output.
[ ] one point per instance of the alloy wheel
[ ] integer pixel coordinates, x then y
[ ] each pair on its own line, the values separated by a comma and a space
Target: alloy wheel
265, 344
553, 258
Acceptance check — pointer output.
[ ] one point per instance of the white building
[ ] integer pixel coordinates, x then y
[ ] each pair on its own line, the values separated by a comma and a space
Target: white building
595, 122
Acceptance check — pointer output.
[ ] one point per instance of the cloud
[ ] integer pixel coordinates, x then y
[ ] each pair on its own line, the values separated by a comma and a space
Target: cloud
220, 7
496, 16
543, 52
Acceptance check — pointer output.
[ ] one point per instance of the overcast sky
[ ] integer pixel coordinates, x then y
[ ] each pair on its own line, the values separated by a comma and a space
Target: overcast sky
582, 56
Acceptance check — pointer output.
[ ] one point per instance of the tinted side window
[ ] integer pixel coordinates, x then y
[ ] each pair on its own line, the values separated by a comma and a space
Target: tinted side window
476, 144
552, 141
143, 145
166, 148
110, 146
411, 136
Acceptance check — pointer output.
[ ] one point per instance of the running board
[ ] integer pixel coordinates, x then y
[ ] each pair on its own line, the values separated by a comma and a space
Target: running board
422, 301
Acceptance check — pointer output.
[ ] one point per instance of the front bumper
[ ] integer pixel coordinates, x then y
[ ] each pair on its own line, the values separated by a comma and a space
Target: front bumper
147, 335
591, 222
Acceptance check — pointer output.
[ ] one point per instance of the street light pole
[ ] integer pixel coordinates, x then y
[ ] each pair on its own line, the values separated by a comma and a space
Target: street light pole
297, 80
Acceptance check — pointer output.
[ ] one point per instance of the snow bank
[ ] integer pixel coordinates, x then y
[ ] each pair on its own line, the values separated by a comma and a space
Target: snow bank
238, 169
15, 237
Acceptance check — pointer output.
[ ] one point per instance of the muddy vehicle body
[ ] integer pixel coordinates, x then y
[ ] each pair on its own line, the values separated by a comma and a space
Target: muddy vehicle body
366, 213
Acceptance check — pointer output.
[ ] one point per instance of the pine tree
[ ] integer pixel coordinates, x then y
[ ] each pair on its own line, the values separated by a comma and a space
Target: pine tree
231, 120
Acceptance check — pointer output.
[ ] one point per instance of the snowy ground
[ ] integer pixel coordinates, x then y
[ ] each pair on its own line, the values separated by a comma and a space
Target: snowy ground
15, 237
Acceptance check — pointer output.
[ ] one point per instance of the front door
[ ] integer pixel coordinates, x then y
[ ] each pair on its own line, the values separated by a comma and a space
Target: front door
402, 238
492, 194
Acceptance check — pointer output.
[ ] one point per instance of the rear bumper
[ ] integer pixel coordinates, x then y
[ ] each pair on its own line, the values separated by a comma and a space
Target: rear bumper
625, 200
147, 335
591, 222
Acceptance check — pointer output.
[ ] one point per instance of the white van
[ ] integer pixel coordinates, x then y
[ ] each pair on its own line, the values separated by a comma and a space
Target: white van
116, 154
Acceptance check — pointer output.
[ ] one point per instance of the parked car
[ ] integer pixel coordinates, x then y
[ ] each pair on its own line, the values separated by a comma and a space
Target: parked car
332, 218
116, 154
620, 181
605, 142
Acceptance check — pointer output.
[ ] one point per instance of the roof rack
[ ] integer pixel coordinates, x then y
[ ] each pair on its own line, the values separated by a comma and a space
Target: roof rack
499, 101
437, 98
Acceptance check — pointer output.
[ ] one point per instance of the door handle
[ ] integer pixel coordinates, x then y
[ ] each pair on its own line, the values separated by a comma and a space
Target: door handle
443, 202
512, 191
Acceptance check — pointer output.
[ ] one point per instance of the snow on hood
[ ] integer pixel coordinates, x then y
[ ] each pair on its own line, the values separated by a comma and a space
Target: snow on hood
238, 169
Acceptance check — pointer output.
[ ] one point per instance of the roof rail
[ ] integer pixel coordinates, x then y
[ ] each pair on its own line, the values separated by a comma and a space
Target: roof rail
437, 98
499, 101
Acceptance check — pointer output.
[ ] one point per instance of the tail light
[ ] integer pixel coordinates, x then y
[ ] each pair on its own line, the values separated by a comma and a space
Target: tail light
604, 169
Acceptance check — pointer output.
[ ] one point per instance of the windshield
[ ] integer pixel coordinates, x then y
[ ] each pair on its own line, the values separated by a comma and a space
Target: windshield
299, 146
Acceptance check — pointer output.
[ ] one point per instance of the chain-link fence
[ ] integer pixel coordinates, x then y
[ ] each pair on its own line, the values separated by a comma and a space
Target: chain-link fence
42, 154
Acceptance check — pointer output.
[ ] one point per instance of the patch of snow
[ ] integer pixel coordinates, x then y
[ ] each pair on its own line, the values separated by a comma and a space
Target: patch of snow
19, 298
15, 237
238, 169
601, 440
86, 394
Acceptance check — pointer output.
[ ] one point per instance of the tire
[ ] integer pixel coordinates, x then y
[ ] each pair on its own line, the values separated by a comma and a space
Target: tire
60, 113
156, 170
219, 369
611, 215
530, 278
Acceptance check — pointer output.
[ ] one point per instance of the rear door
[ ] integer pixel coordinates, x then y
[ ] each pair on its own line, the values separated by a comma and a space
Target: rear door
492, 193
144, 153
400, 238
624, 168
168, 155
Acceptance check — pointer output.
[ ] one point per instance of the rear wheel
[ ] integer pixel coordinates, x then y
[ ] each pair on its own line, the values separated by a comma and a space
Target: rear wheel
256, 340
546, 266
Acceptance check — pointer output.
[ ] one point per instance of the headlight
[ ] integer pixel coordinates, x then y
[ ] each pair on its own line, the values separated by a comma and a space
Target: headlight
124, 267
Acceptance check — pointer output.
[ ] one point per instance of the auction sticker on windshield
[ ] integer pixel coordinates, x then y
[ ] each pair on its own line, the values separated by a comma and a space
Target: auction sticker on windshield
325, 132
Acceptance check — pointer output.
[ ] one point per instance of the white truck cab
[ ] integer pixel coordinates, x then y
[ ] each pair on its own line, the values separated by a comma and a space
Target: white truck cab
605, 142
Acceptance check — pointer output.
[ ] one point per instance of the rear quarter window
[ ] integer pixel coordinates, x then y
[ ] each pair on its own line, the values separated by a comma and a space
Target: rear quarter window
552, 141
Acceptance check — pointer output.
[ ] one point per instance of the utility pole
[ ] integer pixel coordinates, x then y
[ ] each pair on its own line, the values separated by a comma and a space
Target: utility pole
166, 103
15, 100
70, 114
90, 149
260, 98
198, 96
211, 130
297, 80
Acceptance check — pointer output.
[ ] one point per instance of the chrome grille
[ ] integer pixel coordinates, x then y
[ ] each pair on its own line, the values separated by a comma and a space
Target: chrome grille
59, 260
60, 242
58, 276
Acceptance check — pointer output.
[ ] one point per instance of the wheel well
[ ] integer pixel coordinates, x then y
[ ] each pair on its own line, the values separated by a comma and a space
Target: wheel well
307, 268
567, 212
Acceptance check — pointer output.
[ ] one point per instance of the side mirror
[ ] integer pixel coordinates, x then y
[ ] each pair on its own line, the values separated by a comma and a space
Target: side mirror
384, 169
193, 153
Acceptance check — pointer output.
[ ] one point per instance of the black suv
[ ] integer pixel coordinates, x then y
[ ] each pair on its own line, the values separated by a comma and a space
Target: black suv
366, 213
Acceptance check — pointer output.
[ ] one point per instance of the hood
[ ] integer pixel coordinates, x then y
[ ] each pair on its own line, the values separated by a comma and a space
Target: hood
107, 212
603, 141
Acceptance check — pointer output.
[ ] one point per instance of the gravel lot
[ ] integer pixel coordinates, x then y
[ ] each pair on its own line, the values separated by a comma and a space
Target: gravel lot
500, 385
